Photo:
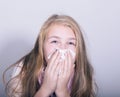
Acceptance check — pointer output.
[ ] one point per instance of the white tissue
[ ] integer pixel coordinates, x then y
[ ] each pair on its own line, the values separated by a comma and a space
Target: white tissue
72, 53
62, 52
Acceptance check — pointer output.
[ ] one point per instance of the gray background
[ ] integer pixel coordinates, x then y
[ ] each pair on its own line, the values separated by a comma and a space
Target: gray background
20, 21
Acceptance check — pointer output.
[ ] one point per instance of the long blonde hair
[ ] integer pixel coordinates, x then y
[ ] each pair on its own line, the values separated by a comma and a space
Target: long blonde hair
82, 85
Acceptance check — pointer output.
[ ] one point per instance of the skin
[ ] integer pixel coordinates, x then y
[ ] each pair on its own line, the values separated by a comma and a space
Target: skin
58, 73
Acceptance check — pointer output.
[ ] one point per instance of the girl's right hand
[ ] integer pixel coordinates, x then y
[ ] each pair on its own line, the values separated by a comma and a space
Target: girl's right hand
51, 74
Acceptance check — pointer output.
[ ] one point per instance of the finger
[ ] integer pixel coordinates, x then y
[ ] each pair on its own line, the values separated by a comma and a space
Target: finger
70, 61
71, 57
57, 69
61, 71
51, 60
56, 63
65, 66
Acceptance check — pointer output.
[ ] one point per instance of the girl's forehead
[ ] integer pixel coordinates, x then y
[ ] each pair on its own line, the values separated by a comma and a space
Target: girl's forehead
60, 31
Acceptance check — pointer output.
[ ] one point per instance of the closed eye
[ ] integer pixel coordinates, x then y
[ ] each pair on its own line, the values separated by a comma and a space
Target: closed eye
54, 41
71, 43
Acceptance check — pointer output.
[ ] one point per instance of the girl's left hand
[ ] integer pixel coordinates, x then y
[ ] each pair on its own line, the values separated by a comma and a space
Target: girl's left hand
65, 73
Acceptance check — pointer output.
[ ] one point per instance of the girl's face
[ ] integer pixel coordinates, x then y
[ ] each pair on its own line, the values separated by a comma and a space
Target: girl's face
61, 37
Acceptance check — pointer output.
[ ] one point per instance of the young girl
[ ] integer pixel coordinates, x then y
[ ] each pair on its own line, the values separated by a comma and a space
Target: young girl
57, 66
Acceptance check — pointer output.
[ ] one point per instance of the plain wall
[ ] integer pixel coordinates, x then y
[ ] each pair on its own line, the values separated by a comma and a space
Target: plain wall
20, 22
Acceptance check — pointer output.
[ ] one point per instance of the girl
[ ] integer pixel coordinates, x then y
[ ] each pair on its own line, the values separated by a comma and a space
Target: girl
57, 66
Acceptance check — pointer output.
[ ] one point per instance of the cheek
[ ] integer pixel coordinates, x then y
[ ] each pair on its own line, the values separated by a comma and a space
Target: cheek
72, 47
48, 49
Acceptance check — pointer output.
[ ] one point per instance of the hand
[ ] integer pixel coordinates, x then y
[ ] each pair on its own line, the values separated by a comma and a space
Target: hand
51, 73
66, 71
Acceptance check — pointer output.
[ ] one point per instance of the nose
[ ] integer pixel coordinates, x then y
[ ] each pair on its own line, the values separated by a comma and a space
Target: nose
63, 46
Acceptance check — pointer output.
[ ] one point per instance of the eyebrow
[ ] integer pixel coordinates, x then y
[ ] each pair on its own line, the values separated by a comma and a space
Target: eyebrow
53, 37
70, 38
